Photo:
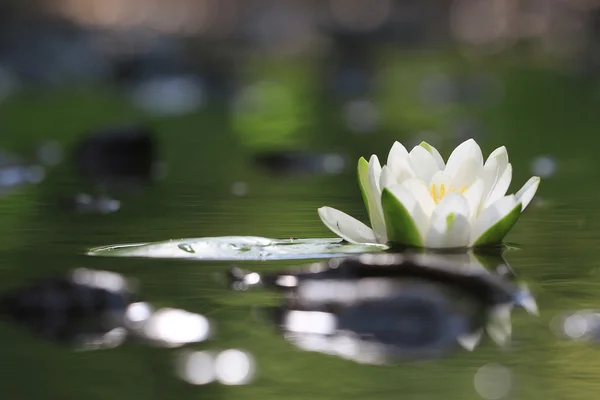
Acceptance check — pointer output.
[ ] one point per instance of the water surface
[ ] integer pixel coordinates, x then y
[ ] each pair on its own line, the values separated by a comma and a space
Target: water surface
543, 113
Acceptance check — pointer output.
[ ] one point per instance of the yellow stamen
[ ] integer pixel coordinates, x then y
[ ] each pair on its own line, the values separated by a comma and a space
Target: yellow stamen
438, 195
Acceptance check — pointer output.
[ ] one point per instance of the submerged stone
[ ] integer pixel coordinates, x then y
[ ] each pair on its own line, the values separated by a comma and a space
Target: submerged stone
120, 155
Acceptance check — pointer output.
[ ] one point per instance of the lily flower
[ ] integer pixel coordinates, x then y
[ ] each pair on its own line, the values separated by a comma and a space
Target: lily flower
418, 200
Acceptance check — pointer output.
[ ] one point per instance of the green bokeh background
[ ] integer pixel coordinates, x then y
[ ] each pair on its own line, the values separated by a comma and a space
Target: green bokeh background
543, 111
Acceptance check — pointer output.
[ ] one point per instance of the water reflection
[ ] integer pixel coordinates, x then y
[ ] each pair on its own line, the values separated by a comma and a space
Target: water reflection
17, 171
91, 309
84, 309
580, 325
83, 203
382, 308
493, 381
409, 321
171, 327
229, 367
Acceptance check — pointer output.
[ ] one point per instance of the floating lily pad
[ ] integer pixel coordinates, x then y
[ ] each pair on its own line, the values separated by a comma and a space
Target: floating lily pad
238, 248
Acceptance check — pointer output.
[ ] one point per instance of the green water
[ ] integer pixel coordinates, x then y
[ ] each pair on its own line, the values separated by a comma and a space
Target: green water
543, 112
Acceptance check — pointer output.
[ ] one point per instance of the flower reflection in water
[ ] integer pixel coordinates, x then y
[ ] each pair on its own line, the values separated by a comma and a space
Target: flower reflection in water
382, 308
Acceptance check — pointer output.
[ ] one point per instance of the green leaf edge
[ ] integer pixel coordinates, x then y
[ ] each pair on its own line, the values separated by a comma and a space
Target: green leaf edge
363, 180
400, 226
426, 146
496, 233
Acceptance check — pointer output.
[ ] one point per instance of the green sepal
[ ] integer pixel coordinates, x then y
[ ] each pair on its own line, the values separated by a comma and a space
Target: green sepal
400, 226
496, 233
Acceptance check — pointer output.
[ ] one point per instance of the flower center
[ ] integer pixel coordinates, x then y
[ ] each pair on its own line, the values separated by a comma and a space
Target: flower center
439, 191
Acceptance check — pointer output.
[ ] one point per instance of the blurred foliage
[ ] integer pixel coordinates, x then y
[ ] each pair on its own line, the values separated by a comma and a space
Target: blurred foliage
273, 108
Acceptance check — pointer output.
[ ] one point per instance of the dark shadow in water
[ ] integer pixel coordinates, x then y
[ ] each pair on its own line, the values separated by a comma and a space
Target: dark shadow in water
91, 309
120, 156
85, 308
300, 162
382, 308
113, 160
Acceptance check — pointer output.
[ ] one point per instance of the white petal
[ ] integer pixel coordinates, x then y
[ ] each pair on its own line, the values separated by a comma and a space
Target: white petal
435, 154
403, 170
500, 155
422, 163
412, 206
387, 178
474, 194
398, 151
493, 169
449, 226
490, 175
526, 193
439, 178
492, 214
466, 173
500, 187
374, 174
467, 149
399, 162
419, 191
346, 227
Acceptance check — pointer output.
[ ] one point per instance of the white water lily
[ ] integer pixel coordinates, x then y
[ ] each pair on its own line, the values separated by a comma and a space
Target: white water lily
418, 200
